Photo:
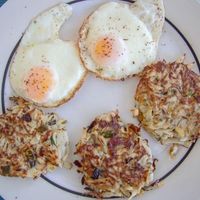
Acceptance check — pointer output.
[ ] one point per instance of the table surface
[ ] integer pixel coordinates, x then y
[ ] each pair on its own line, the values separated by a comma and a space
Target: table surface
1, 3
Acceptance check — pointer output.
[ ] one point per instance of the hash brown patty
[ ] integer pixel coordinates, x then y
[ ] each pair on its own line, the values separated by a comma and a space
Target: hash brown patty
114, 159
168, 99
31, 142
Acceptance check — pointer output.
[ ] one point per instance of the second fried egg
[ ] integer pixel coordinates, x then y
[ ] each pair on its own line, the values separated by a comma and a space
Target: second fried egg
115, 42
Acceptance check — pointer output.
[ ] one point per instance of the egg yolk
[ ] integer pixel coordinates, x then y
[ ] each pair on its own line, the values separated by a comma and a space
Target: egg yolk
109, 50
38, 83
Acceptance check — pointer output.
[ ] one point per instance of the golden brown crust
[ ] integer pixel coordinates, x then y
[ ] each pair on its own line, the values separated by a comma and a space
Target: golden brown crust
168, 99
114, 158
29, 141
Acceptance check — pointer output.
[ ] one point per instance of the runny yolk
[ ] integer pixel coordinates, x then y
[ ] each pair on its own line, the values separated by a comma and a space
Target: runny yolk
38, 83
104, 47
109, 50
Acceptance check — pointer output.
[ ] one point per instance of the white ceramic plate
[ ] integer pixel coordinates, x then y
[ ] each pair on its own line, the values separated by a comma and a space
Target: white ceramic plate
96, 97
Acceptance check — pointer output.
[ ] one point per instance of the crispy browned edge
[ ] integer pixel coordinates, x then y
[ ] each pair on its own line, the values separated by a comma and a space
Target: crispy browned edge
139, 117
140, 76
69, 96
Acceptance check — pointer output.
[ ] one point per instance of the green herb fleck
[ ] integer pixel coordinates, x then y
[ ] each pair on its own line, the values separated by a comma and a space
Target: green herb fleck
107, 134
173, 91
31, 158
52, 122
190, 93
52, 141
41, 129
32, 163
5, 170
156, 78
99, 70
64, 122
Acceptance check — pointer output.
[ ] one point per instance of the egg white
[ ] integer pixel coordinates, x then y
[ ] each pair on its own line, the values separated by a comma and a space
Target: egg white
117, 19
41, 47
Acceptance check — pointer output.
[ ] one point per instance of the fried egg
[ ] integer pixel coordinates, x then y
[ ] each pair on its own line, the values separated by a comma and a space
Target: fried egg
118, 39
47, 70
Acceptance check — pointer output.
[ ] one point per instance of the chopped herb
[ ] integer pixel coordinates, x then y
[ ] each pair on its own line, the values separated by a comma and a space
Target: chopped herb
32, 163
64, 122
165, 93
107, 134
27, 117
87, 32
190, 93
31, 158
52, 141
99, 69
127, 160
173, 91
5, 170
41, 129
96, 173
51, 123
